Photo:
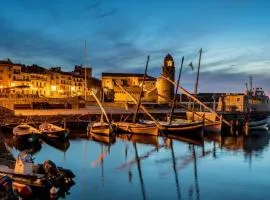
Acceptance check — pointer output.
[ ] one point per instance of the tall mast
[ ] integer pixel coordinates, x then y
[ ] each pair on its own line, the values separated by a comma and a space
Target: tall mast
176, 90
198, 74
140, 97
85, 64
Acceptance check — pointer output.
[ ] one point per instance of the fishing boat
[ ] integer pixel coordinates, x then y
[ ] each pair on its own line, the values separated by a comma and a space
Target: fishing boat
53, 131
26, 132
102, 128
136, 128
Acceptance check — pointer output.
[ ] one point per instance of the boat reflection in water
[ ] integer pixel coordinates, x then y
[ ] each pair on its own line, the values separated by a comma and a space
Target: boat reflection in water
103, 139
61, 145
32, 147
257, 141
142, 139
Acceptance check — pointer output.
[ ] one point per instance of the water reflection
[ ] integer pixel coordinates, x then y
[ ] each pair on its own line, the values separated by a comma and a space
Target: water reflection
251, 143
169, 167
13, 142
61, 145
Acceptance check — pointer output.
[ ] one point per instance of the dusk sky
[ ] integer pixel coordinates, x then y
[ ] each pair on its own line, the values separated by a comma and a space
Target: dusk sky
234, 35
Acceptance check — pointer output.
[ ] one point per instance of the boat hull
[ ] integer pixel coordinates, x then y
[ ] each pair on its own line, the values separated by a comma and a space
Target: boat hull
142, 129
213, 127
188, 130
101, 129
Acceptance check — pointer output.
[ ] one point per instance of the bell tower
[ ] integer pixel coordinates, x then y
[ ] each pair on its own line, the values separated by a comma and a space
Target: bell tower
165, 88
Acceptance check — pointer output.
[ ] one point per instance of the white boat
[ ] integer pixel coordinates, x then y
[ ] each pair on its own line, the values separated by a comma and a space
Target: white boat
53, 131
25, 131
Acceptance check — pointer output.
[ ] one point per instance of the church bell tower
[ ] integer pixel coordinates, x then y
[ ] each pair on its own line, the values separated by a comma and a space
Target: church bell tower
165, 88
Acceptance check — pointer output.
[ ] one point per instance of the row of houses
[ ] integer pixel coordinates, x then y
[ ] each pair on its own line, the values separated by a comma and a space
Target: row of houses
21, 80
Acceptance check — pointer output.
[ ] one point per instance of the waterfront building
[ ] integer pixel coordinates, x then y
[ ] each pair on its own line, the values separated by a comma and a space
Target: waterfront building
24, 81
131, 82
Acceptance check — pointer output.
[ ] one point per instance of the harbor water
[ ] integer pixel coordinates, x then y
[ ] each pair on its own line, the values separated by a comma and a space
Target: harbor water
162, 168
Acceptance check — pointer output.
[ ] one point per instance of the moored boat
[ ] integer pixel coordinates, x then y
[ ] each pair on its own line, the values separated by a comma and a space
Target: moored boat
25, 131
53, 131
101, 128
136, 128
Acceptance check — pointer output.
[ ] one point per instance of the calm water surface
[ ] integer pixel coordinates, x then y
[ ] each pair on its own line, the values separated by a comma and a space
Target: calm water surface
162, 168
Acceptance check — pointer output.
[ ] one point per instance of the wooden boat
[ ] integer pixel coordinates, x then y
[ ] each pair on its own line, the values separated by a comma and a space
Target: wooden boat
25, 131
180, 127
136, 128
101, 128
53, 131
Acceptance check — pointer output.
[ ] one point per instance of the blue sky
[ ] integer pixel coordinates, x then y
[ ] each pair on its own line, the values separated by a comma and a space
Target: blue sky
234, 35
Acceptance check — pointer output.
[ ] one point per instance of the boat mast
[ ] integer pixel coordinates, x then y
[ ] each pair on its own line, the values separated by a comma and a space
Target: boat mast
85, 64
141, 92
176, 90
198, 74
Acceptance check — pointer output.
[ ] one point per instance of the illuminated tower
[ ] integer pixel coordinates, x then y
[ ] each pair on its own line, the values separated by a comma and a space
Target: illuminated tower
164, 87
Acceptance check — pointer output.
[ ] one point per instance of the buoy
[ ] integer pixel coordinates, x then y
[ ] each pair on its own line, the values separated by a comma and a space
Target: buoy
22, 190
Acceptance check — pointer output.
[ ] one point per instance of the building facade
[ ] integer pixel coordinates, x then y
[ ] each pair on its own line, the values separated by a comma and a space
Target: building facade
24, 81
131, 82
